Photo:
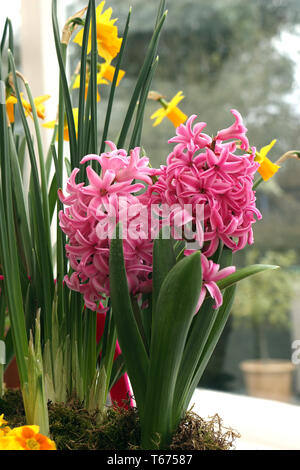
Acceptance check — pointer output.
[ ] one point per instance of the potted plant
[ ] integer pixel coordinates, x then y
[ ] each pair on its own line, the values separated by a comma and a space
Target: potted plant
139, 276
271, 297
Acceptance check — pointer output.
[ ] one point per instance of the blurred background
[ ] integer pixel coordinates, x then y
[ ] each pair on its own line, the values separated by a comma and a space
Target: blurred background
223, 54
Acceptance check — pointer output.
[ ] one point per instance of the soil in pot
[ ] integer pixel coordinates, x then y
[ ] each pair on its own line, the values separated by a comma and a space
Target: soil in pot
73, 428
271, 379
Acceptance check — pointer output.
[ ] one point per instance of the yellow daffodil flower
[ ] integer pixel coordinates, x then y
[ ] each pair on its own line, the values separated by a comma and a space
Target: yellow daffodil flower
106, 74
52, 124
10, 108
171, 111
26, 438
100, 81
267, 168
39, 105
107, 71
108, 42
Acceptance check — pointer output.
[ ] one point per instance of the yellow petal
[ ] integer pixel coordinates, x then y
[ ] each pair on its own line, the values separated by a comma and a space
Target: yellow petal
20, 430
176, 99
76, 83
108, 72
159, 115
10, 443
266, 149
49, 125
41, 99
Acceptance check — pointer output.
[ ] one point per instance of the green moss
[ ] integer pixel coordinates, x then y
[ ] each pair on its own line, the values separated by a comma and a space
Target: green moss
73, 428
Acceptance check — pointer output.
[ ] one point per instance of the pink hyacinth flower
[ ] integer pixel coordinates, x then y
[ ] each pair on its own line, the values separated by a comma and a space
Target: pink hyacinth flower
211, 273
236, 131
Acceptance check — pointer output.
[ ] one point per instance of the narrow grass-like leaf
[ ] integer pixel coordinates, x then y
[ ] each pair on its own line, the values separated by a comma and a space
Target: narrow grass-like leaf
151, 53
81, 99
137, 130
114, 83
60, 52
93, 79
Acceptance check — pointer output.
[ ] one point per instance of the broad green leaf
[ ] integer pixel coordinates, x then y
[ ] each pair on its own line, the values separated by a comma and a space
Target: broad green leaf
199, 333
131, 343
211, 343
175, 309
163, 261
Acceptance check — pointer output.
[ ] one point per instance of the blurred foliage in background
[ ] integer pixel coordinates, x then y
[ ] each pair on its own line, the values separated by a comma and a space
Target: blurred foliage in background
271, 297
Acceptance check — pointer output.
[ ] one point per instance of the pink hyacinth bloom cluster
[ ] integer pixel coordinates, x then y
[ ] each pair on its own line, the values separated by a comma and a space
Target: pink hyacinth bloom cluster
211, 173
86, 220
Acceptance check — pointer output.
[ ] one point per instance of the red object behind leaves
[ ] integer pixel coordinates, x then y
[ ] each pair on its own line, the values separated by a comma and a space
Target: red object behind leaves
121, 391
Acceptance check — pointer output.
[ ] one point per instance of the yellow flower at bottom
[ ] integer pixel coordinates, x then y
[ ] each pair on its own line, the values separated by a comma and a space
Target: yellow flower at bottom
267, 168
29, 438
171, 111
10, 443
52, 124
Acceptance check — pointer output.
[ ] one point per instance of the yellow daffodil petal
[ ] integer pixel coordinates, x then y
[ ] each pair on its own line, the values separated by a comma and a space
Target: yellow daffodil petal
49, 125
267, 169
76, 83
10, 103
170, 110
266, 149
159, 115
175, 100
41, 99
108, 72
108, 42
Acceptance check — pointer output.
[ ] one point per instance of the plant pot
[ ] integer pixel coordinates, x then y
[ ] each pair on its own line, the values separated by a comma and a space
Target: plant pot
271, 379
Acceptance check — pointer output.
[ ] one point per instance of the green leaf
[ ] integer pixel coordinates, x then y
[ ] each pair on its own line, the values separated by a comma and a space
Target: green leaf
131, 343
61, 51
175, 309
212, 341
199, 332
163, 261
244, 273
150, 55
113, 85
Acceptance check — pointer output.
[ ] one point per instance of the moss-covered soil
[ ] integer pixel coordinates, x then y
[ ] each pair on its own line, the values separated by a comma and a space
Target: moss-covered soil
73, 428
